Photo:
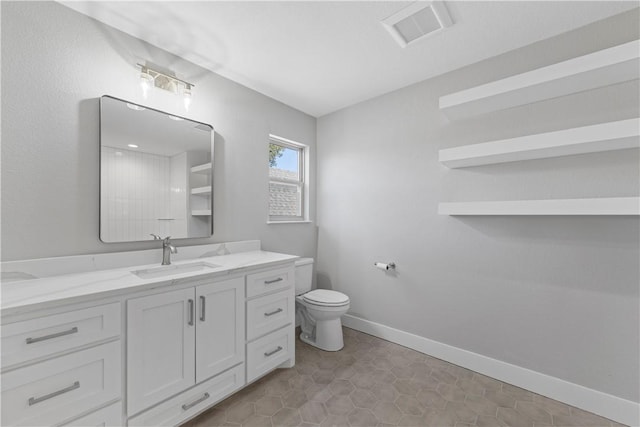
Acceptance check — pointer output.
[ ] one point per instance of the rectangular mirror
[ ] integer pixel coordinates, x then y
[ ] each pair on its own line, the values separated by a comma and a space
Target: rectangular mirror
156, 174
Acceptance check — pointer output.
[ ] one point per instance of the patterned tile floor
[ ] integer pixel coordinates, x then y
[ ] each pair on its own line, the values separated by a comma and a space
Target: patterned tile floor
372, 382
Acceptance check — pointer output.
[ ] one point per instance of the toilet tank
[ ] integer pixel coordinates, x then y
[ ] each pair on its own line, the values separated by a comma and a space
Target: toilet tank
304, 275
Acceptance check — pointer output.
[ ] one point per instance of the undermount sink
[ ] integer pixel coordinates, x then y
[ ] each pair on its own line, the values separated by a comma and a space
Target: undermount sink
169, 270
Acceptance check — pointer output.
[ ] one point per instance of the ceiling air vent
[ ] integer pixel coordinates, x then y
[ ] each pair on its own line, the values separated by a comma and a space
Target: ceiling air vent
417, 21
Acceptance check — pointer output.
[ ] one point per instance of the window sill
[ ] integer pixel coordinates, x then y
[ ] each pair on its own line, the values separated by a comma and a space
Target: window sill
290, 222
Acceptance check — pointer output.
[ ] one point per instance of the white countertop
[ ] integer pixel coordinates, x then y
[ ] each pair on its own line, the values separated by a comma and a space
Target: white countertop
31, 294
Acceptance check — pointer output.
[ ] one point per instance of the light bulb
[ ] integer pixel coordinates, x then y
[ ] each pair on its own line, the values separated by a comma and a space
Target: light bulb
186, 93
146, 81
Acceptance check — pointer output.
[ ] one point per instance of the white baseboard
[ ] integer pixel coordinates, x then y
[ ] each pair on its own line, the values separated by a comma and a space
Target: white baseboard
606, 405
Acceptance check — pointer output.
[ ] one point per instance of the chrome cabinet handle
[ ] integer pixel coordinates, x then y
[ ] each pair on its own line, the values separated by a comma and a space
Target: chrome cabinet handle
34, 400
195, 402
272, 352
191, 312
273, 312
56, 335
203, 305
268, 282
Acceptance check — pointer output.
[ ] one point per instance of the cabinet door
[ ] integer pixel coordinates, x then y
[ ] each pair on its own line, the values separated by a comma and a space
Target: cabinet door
220, 331
160, 347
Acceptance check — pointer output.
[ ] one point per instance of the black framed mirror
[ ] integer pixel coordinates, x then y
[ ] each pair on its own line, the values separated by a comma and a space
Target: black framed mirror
156, 174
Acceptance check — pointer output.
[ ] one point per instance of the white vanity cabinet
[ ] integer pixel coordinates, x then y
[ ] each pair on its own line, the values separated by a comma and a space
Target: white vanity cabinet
111, 348
61, 367
270, 320
219, 327
179, 338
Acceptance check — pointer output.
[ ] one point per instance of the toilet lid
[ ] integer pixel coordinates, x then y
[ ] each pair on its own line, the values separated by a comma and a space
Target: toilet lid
326, 297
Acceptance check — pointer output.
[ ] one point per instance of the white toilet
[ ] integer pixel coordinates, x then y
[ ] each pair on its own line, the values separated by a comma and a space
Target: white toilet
319, 310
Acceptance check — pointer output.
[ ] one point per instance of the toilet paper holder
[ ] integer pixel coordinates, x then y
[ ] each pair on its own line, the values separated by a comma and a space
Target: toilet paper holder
384, 266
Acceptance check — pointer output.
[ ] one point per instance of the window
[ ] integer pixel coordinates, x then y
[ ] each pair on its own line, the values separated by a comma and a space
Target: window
286, 180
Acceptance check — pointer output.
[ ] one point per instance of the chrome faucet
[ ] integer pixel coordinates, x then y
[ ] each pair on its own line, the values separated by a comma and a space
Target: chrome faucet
167, 249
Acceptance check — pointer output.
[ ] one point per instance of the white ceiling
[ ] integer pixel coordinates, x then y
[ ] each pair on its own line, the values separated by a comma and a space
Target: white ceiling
320, 56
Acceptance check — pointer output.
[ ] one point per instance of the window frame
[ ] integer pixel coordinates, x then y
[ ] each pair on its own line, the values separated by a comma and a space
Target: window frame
301, 182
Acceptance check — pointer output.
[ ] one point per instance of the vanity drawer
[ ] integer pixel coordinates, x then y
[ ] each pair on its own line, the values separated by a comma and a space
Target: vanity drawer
189, 403
109, 416
44, 336
269, 281
268, 352
270, 312
50, 392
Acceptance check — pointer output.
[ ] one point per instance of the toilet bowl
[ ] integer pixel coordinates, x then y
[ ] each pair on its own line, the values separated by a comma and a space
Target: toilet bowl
319, 310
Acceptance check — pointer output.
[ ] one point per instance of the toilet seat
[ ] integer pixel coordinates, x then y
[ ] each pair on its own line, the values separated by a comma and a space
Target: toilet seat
326, 298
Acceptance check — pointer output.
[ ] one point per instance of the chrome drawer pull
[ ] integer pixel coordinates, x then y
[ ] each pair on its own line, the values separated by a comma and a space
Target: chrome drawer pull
187, 406
56, 335
203, 306
191, 313
273, 312
34, 400
268, 282
271, 353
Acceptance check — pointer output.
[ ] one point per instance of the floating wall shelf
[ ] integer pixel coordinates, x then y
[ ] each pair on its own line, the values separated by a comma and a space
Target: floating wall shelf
201, 191
202, 169
588, 139
596, 206
201, 212
606, 67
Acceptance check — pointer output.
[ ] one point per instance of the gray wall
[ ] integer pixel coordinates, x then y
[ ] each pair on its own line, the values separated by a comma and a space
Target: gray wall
558, 295
56, 63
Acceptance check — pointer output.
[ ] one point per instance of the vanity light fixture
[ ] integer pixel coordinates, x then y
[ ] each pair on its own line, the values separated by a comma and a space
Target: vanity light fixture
146, 81
186, 93
132, 145
153, 78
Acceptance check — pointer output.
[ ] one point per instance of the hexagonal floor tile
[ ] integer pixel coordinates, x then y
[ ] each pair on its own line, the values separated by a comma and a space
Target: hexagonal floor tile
286, 417
277, 388
301, 382
431, 399
451, 392
409, 405
377, 383
333, 420
323, 376
362, 398
406, 387
294, 399
268, 405
238, 413
318, 393
313, 412
385, 392
387, 412
339, 405
360, 417
341, 387
362, 380
257, 421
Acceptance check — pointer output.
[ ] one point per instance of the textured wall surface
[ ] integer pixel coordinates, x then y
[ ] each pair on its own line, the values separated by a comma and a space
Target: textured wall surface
558, 295
56, 63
